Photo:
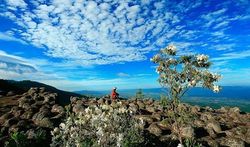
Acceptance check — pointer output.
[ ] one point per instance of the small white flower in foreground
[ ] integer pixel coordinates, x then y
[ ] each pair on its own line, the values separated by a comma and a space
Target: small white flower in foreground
216, 88
62, 126
180, 145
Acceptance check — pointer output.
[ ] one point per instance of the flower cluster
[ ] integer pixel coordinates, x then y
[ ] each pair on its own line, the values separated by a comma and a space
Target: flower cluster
102, 125
202, 57
171, 50
179, 73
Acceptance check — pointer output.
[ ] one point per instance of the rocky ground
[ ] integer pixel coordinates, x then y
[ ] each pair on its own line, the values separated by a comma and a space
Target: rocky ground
36, 109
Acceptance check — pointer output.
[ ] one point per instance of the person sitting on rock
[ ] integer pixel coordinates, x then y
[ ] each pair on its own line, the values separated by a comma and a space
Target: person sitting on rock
114, 95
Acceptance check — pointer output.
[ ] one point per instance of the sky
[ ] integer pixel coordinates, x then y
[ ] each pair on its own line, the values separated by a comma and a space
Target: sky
96, 45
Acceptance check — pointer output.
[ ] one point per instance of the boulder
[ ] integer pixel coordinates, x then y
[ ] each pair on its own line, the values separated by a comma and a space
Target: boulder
78, 108
150, 109
101, 101
187, 132
140, 104
146, 118
5, 117
195, 109
235, 110
27, 114
232, 142
44, 122
50, 98
215, 126
57, 109
155, 129
157, 116
10, 122
73, 99
32, 91
133, 107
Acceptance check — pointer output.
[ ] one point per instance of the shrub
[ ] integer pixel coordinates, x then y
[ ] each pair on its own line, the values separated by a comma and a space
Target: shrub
18, 139
139, 94
99, 126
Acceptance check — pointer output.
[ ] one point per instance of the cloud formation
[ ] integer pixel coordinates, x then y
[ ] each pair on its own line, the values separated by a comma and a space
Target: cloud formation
105, 32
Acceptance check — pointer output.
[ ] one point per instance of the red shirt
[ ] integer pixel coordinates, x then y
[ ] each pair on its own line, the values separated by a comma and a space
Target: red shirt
114, 95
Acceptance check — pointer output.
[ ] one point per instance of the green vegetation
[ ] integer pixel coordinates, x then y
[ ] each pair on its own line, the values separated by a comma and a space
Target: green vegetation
139, 94
21, 139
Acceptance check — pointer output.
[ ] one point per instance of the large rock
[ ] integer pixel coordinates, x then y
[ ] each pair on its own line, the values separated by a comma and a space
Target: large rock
59, 110
187, 132
78, 108
232, 142
215, 126
50, 98
146, 118
150, 109
10, 122
44, 122
27, 114
234, 110
155, 129
140, 104
133, 107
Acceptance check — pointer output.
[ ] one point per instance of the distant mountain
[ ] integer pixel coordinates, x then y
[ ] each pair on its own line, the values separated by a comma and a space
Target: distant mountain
19, 87
235, 92
229, 96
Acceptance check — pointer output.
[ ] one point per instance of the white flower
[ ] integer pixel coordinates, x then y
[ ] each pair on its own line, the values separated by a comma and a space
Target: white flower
155, 58
172, 48
180, 145
122, 110
119, 140
105, 107
216, 76
192, 83
62, 126
202, 57
216, 88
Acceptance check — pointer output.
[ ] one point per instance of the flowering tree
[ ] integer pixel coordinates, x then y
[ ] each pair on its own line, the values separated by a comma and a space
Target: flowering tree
179, 73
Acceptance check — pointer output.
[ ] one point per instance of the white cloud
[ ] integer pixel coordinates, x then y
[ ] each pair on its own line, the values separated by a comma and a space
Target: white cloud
8, 37
90, 33
222, 47
233, 55
122, 74
13, 4
3, 65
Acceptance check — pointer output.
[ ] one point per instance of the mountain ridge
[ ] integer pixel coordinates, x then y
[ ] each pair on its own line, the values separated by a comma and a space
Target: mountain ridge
19, 87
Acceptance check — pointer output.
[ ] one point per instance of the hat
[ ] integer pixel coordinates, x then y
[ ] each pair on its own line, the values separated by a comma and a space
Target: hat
114, 88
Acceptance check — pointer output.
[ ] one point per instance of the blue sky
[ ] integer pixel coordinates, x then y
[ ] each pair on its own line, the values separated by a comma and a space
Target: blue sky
95, 45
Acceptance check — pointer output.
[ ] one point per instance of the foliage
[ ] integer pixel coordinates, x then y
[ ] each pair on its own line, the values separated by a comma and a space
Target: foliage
139, 94
101, 125
191, 142
40, 136
178, 73
179, 117
20, 139
17, 139
164, 101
